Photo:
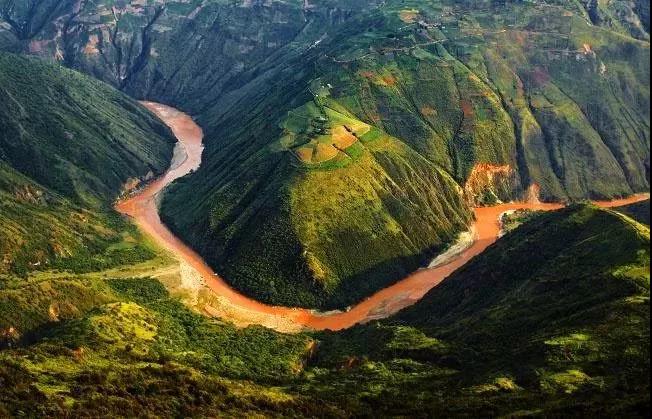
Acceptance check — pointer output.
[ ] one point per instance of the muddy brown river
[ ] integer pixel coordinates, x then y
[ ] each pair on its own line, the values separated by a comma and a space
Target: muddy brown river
242, 310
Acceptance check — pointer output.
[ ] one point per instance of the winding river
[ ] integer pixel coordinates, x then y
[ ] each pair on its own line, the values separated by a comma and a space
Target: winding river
142, 208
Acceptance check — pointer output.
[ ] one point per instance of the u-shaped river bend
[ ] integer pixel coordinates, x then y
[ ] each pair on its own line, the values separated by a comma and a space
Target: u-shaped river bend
142, 208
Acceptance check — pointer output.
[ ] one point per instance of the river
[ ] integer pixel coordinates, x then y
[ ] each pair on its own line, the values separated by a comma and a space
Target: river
143, 209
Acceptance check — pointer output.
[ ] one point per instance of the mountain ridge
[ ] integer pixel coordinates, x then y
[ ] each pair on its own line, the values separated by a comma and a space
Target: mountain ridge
511, 100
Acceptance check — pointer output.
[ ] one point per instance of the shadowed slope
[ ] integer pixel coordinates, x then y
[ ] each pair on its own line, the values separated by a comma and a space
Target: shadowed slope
68, 144
553, 319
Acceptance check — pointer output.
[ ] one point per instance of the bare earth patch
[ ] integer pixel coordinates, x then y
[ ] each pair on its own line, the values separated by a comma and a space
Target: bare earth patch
409, 16
342, 138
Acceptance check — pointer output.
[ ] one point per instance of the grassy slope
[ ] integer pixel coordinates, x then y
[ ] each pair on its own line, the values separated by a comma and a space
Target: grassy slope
42, 230
131, 349
507, 334
67, 145
307, 235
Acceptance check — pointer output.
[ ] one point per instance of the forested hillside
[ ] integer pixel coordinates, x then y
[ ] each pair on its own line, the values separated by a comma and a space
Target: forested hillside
522, 330
504, 108
68, 145
347, 143
551, 320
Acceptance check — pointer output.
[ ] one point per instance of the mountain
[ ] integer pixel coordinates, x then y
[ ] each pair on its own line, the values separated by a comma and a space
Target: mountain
346, 141
501, 118
552, 320
68, 145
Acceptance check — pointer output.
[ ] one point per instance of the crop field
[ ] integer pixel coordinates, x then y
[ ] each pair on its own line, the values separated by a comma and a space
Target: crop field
321, 132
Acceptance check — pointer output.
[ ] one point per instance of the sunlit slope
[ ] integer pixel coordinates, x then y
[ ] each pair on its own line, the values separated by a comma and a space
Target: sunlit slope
329, 212
507, 109
511, 100
91, 345
552, 320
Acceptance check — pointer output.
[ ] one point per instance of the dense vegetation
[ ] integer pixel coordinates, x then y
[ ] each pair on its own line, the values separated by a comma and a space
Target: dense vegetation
503, 107
129, 349
68, 144
346, 142
75, 135
557, 331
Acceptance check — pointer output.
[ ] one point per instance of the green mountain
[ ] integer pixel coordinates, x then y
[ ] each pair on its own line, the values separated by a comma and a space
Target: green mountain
552, 320
287, 214
346, 143
346, 140
68, 144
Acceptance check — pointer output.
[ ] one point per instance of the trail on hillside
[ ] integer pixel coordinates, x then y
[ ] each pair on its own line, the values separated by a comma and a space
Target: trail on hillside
143, 209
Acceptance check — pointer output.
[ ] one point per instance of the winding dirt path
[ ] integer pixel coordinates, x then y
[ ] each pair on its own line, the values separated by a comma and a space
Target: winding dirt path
142, 208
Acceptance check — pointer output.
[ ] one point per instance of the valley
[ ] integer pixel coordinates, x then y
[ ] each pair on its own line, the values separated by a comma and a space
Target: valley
142, 207
338, 134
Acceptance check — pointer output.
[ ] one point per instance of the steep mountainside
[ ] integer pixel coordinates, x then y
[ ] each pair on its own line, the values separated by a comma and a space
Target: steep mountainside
632, 17
68, 144
506, 112
346, 140
73, 134
551, 320
522, 330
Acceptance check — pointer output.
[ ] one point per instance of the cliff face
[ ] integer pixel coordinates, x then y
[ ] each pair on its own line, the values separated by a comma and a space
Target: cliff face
489, 184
